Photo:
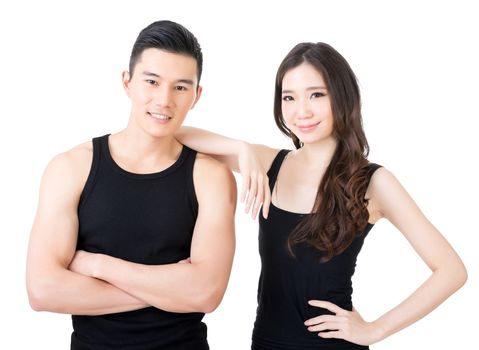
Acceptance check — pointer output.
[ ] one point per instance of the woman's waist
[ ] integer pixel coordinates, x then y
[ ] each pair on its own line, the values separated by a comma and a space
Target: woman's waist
264, 340
281, 319
293, 297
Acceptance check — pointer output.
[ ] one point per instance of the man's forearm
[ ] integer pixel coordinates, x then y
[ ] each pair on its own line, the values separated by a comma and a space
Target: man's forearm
172, 287
71, 293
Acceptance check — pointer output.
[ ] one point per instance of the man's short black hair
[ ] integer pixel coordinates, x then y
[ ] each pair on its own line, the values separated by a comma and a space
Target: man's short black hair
168, 36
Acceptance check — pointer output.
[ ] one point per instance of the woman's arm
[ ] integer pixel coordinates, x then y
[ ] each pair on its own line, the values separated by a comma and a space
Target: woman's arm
225, 149
448, 272
252, 161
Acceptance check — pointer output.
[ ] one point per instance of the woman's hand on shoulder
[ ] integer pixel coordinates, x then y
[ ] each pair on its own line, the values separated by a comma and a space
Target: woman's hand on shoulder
253, 162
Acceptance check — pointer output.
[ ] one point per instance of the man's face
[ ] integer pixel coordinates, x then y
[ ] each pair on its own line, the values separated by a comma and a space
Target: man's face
162, 89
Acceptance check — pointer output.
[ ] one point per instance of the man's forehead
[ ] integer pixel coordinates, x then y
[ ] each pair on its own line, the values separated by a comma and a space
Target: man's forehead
155, 62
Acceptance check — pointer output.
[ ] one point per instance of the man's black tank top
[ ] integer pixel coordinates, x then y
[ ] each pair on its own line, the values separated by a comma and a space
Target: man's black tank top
146, 219
287, 283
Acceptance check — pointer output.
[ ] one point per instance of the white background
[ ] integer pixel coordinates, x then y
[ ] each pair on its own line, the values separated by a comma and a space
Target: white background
416, 62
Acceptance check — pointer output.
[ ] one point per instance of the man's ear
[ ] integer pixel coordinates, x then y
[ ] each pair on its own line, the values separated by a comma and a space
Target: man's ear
199, 89
125, 79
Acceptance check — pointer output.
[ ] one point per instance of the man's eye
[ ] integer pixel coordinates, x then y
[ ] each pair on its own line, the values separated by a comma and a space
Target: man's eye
151, 82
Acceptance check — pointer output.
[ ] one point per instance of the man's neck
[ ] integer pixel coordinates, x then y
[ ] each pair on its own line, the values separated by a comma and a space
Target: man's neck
142, 153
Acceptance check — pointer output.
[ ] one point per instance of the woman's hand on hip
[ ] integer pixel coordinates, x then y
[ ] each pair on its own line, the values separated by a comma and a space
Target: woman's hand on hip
344, 324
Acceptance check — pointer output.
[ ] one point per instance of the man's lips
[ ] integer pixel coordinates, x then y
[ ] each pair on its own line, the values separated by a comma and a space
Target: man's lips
159, 116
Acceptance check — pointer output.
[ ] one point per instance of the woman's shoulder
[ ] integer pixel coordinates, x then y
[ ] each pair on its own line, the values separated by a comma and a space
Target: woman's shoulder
383, 186
266, 155
380, 176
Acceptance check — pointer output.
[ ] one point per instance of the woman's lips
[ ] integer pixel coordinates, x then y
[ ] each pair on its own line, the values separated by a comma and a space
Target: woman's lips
307, 128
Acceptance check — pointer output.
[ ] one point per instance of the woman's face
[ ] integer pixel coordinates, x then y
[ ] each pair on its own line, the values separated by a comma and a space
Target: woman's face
306, 104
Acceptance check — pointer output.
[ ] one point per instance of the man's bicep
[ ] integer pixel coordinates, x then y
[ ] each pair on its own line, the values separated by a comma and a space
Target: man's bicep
213, 238
54, 231
53, 238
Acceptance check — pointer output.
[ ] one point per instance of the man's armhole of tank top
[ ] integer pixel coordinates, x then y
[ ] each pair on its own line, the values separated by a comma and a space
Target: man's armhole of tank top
92, 148
190, 183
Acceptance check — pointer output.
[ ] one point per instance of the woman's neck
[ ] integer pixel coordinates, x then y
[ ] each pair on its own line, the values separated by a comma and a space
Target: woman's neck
316, 155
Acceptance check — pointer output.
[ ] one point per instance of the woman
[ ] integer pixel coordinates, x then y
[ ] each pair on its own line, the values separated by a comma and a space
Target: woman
325, 198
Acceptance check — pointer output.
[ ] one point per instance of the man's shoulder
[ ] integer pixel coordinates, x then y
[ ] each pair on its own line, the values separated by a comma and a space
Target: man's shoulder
66, 174
215, 185
84, 149
74, 162
75, 156
206, 164
209, 172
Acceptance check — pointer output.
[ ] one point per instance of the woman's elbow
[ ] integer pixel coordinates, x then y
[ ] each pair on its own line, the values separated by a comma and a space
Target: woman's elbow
461, 275
456, 272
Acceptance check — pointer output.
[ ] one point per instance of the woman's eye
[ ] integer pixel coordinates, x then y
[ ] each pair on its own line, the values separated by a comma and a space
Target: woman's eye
317, 94
287, 98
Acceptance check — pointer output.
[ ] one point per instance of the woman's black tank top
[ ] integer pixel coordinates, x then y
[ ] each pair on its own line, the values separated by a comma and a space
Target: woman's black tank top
287, 283
146, 219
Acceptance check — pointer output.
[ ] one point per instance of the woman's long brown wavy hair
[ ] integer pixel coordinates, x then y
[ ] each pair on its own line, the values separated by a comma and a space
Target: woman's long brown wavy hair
340, 209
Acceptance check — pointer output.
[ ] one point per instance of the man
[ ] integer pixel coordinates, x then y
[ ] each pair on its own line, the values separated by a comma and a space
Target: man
134, 233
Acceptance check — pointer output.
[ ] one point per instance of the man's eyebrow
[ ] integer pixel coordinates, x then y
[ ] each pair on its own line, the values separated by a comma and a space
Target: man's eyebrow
184, 81
151, 74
